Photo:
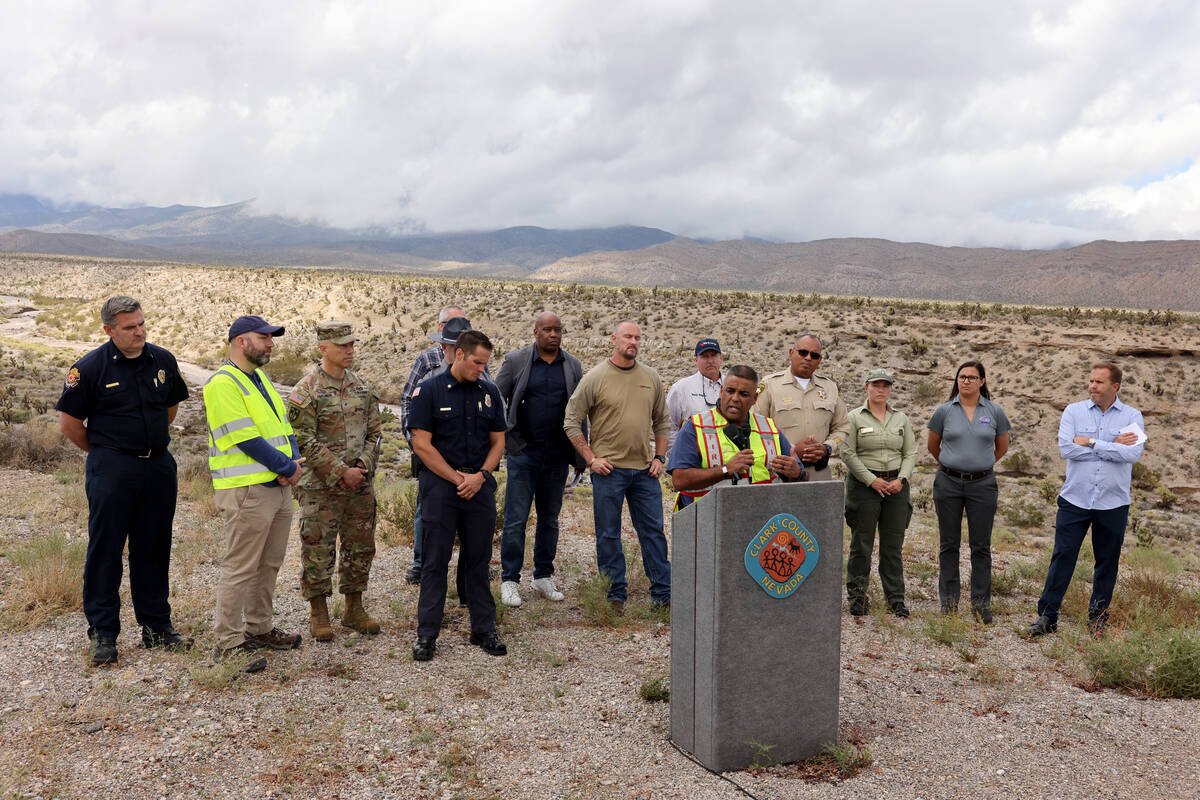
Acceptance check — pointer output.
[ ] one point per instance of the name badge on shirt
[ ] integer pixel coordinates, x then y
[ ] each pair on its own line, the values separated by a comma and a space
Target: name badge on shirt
985, 420
865, 430
447, 408
111, 385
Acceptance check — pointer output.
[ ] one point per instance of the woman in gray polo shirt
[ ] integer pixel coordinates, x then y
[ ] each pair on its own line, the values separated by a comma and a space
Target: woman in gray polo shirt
967, 435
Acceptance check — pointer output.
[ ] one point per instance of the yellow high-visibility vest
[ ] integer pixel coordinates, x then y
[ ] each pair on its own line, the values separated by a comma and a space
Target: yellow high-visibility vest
716, 448
238, 412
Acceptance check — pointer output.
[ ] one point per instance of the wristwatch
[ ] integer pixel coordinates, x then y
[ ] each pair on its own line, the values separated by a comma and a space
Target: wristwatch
724, 471
661, 459
486, 473
1091, 441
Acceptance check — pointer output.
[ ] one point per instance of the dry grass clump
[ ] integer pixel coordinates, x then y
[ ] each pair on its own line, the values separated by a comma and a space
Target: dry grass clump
36, 445
48, 580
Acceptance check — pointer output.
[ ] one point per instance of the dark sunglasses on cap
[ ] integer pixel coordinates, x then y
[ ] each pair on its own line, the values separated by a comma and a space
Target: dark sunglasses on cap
815, 355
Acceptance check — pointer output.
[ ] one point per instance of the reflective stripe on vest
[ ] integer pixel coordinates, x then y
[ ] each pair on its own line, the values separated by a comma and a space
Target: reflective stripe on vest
716, 448
227, 415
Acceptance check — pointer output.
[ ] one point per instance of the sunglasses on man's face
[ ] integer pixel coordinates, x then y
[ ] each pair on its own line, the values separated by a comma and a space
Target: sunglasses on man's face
815, 355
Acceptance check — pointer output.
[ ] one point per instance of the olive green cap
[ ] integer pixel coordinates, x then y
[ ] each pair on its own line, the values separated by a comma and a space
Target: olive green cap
880, 374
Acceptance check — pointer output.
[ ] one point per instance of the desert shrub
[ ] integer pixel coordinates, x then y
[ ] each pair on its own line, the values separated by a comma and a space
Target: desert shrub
1163, 663
655, 690
1144, 478
36, 445
397, 508
927, 390
1024, 513
1166, 497
1016, 462
289, 363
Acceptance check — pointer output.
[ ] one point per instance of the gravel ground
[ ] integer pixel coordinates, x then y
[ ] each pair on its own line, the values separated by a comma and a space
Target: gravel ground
560, 717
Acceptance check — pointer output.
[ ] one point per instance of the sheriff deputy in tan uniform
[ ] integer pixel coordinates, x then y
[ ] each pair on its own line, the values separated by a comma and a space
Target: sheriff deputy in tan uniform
808, 408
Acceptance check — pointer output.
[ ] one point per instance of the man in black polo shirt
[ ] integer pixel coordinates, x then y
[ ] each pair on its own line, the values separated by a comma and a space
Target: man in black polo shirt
457, 425
128, 391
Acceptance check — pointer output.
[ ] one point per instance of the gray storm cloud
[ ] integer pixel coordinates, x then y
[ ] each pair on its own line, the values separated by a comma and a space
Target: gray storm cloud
938, 121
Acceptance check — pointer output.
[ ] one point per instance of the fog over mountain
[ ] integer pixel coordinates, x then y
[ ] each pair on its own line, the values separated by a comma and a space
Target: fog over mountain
1157, 274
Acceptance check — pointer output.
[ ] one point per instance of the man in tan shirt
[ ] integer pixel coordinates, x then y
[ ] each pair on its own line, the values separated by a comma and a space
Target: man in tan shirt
807, 407
626, 408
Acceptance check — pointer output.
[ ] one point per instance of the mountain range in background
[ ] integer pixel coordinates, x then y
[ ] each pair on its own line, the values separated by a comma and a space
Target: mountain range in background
1153, 274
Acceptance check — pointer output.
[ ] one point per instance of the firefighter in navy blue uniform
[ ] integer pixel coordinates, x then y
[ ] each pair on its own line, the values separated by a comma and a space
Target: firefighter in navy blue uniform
457, 424
127, 391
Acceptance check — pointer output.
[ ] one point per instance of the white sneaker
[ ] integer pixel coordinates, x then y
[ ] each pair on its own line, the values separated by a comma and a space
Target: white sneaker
548, 589
509, 594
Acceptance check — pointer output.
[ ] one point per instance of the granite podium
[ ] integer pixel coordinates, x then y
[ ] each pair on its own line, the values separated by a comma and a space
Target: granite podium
756, 623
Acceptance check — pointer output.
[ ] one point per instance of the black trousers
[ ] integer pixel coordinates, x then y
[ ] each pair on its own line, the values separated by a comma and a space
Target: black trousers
979, 498
128, 498
443, 515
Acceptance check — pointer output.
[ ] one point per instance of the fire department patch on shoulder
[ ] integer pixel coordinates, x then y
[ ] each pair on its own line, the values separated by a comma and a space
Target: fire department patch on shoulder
487, 400
73, 378
781, 555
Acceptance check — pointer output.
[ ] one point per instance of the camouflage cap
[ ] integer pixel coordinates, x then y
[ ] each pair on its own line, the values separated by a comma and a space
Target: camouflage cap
336, 332
880, 374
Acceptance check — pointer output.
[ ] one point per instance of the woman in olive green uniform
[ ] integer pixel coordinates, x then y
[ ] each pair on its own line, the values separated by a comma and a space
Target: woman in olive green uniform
879, 454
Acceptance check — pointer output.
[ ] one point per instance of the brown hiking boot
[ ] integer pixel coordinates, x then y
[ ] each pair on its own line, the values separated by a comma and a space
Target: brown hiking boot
318, 621
356, 617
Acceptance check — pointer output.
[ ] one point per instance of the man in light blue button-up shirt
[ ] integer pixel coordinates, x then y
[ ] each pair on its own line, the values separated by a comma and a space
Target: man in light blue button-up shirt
1100, 438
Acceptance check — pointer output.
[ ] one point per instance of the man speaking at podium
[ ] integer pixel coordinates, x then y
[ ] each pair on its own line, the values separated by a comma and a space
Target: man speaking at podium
729, 443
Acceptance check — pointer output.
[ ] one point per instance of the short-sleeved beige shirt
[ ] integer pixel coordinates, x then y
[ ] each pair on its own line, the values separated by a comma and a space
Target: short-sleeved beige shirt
817, 411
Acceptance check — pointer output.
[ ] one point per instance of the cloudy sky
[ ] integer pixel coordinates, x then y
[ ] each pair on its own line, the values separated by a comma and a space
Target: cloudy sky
948, 122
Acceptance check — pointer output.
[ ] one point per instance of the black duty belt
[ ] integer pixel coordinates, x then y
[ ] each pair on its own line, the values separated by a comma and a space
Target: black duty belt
149, 453
886, 474
965, 476
466, 470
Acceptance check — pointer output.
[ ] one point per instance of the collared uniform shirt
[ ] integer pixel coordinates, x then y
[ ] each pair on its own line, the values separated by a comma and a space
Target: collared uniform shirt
124, 400
1098, 477
430, 361
459, 416
875, 446
689, 396
817, 411
968, 445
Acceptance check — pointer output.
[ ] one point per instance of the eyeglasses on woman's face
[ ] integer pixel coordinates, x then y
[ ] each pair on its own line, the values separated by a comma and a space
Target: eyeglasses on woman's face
969, 379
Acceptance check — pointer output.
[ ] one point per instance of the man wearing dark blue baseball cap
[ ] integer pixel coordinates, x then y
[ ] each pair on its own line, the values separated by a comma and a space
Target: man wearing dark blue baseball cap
699, 391
253, 324
254, 461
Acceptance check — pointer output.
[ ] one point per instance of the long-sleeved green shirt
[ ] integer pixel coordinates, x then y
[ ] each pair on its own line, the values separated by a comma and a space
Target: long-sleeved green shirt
872, 446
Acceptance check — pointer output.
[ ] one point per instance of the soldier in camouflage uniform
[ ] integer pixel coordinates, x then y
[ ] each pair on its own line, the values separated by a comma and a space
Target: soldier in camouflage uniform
336, 419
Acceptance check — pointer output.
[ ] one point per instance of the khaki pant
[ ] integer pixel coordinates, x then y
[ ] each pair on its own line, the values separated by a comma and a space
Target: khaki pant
257, 521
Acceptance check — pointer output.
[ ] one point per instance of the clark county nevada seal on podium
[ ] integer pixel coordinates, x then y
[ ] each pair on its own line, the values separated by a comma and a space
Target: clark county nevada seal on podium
756, 623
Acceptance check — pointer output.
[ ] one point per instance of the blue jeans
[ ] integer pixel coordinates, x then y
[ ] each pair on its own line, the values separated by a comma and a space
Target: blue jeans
645, 509
531, 481
1108, 534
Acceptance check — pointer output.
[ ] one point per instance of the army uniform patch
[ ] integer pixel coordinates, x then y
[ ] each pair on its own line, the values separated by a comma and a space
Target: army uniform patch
73, 378
299, 399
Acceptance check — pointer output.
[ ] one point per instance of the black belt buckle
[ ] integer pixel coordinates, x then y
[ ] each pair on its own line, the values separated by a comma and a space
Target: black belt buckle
141, 454
466, 470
